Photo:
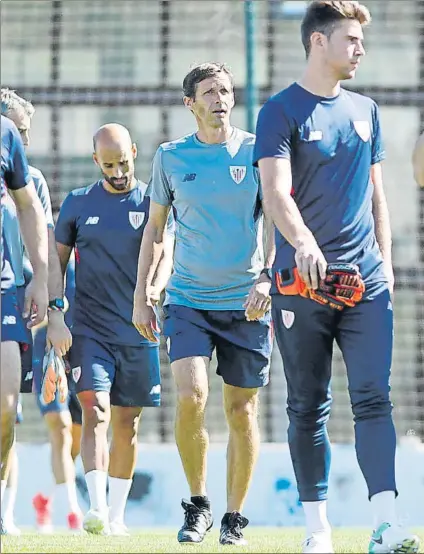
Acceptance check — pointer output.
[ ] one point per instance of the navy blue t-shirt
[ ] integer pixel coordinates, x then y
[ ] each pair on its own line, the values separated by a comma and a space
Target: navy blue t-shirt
332, 144
106, 230
14, 175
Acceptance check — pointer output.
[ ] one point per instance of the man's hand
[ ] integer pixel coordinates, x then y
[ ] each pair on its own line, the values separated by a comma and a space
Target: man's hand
58, 335
144, 317
311, 263
259, 300
36, 301
153, 294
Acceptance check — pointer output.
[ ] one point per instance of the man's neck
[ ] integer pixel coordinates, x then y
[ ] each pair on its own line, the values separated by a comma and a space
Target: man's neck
108, 187
320, 81
214, 136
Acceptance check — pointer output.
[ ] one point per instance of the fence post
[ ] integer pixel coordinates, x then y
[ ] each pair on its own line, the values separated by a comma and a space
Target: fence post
251, 86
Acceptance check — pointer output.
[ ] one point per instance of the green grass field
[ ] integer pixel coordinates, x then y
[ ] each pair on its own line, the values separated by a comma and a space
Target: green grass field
152, 541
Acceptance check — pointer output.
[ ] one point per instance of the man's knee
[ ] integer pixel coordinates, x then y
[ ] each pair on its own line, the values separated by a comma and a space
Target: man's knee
59, 425
125, 422
371, 404
309, 416
10, 375
241, 407
192, 385
96, 408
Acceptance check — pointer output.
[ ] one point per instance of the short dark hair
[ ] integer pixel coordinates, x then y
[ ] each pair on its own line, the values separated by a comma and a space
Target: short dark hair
201, 72
323, 15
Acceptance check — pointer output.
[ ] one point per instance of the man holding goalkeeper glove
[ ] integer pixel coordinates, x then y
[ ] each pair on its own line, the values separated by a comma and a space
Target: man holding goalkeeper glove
319, 151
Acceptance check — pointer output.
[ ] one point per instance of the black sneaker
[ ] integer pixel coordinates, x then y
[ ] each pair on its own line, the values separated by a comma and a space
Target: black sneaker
197, 522
231, 529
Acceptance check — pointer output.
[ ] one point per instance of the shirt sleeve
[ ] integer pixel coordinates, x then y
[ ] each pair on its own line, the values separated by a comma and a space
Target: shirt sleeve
66, 229
273, 133
17, 174
44, 195
160, 190
378, 153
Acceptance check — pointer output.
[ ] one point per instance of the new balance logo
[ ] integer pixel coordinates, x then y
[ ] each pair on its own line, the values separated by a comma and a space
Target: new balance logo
155, 389
28, 376
92, 220
189, 177
9, 320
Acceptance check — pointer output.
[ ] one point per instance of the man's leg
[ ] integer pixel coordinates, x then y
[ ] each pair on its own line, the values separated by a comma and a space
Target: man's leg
244, 354
58, 421
10, 384
190, 347
10, 495
76, 431
365, 337
93, 371
136, 385
241, 410
304, 331
123, 459
59, 424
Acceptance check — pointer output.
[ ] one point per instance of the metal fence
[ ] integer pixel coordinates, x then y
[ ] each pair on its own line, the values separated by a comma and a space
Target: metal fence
83, 64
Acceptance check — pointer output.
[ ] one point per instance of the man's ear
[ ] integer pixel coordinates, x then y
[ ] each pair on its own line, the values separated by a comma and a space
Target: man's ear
188, 102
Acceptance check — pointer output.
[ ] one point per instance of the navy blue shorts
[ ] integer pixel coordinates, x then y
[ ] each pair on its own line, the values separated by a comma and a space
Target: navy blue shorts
72, 405
26, 347
243, 348
131, 374
12, 324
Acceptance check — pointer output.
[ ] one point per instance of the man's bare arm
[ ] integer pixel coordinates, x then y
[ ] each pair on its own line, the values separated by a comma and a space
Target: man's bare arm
166, 263
33, 225
32, 221
381, 216
418, 161
269, 238
64, 253
276, 179
152, 248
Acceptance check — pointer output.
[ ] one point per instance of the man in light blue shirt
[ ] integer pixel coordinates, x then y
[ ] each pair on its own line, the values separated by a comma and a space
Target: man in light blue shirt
218, 296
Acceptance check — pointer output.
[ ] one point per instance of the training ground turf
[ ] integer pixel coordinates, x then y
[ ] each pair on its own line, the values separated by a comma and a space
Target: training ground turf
151, 541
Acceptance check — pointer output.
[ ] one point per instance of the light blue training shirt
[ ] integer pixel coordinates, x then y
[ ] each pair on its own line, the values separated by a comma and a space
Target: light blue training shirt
11, 230
215, 195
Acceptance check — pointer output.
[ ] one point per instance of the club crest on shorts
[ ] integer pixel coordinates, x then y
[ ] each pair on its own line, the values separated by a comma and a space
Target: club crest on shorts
363, 129
76, 373
288, 318
136, 219
238, 173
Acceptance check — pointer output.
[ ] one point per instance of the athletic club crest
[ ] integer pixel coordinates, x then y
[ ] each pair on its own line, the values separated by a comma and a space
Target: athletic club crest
76, 373
238, 173
136, 219
288, 318
363, 129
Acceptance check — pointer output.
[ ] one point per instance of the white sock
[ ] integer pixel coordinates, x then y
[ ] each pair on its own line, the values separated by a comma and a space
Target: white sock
96, 484
3, 489
119, 490
66, 493
383, 506
9, 501
316, 517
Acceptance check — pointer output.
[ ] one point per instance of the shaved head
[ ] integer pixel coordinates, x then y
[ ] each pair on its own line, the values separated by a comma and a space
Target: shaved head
112, 134
114, 153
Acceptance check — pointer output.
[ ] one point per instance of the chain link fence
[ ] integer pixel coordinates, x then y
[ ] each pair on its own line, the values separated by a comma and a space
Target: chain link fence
83, 64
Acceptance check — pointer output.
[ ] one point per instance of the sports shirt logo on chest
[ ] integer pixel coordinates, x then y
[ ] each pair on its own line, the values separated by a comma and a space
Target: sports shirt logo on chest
136, 219
238, 173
